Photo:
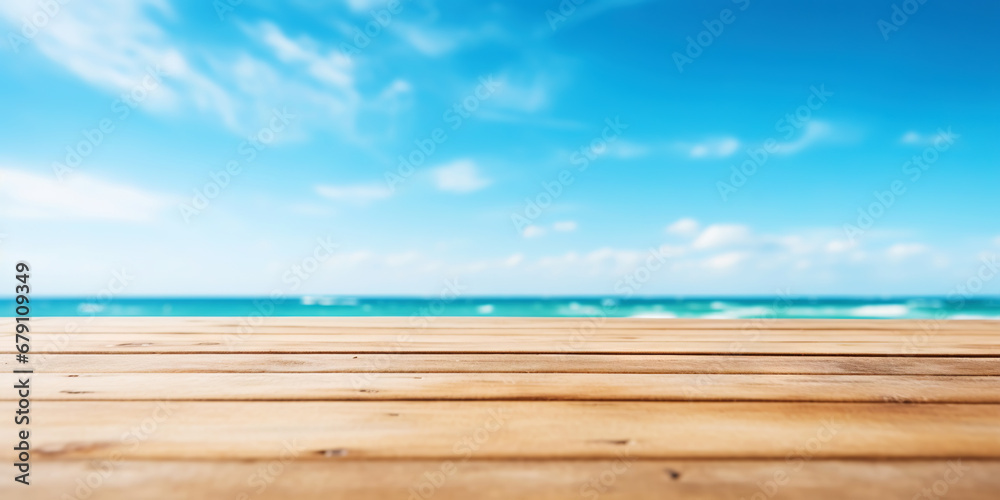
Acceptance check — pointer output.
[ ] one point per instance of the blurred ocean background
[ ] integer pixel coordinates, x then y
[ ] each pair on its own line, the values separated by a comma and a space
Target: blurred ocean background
355, 158
732, 308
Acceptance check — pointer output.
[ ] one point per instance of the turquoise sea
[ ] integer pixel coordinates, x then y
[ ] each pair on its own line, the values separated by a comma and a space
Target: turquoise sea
702, 307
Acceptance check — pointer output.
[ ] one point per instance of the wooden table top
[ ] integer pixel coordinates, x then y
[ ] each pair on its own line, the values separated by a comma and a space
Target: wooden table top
541, 408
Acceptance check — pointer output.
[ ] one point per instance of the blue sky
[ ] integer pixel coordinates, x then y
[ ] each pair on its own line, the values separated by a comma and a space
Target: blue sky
549, 151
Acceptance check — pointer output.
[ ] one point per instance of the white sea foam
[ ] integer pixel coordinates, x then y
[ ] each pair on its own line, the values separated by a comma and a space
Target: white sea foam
881, 311
577, 309
485, 309
89, 308
741, 312
653, 315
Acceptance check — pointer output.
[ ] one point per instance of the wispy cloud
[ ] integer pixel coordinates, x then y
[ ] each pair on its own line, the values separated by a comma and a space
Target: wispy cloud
815, 132
712, 148
25, 195
460, 176
901, 251
427, 42
684, 227
333, 68
915, 138
363, 6
724, 261
721, 235
532, 231
115, 52
523, 95
627, 150
566, 226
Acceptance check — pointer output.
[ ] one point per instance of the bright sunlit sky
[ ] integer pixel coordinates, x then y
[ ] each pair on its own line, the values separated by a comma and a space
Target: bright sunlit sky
332, 112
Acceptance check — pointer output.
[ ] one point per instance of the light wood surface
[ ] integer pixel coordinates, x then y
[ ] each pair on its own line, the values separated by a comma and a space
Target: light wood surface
546, 408
506, 362
514, 386
618, 479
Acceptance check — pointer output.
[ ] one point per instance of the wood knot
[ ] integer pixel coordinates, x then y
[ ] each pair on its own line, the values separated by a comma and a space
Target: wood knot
335, 452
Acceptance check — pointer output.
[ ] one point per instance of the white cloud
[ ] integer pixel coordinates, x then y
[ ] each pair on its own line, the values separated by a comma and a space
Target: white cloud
839, 246
28, 196
522, 95
514, 260
915, 138
532, 231
427, 42
713, 148
901, 251
360, 194
623, 260
401, 259
910, 137
588, 10
724, 261
721, 235
115, 52
815, 131
683, 227
459, 176
363, 6
334, 68
433, 40
565, 226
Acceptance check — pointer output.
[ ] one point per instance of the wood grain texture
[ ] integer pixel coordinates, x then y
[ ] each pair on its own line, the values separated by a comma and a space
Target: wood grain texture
510, 429
513, 386
507, 363
546, 408
621, 478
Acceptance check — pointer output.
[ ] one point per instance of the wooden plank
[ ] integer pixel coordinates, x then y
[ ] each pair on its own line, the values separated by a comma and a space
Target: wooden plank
196, 323
500, 363
981, 345
508, 429
623, 478
512, 386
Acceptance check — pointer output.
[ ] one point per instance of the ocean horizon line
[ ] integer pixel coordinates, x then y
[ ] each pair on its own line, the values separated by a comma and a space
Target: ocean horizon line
708, 307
